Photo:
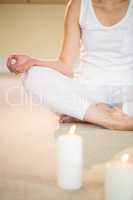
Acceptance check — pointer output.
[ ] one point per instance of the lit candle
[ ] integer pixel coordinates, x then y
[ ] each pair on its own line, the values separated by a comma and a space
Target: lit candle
70, 160
127, 108
119, 179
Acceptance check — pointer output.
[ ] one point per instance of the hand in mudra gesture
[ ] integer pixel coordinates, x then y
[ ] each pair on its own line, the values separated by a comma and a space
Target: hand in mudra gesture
19, 63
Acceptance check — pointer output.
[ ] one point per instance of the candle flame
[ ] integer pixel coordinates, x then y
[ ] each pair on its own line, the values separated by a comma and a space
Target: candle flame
72, 129
125, 158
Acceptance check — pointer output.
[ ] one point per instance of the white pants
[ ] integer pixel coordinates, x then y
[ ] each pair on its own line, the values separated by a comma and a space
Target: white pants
65, 95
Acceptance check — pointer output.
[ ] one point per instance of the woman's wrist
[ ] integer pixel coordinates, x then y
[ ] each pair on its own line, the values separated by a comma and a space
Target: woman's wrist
37, 62
33, 62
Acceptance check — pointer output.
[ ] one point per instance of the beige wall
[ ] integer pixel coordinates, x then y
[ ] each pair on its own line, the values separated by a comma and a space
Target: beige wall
31, 29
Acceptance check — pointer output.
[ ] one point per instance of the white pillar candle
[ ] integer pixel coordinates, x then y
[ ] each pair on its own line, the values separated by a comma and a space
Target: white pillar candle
119, 180
70, 160
127, 108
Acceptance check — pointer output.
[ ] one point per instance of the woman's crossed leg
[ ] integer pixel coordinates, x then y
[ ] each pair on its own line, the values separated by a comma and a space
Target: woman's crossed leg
66, 96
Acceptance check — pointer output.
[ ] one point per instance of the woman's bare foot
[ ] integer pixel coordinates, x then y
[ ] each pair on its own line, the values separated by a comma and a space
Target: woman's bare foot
107, 117
68, 119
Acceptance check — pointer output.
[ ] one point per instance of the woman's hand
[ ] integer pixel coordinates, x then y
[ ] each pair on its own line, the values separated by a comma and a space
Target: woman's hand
19, 63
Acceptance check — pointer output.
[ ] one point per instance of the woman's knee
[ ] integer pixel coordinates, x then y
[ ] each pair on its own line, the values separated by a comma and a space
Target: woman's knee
36, 78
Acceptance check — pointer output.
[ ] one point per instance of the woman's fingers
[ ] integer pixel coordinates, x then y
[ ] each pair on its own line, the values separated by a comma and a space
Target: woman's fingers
19, 68
9, 61
12, 66
10, 58
20, 65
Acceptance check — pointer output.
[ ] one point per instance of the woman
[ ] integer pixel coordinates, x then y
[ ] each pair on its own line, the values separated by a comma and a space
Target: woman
102, 74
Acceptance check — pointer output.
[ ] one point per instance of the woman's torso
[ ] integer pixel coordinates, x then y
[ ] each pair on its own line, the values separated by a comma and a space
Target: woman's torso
106, 53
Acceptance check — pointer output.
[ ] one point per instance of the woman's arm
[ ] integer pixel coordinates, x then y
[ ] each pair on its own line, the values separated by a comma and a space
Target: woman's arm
70, 46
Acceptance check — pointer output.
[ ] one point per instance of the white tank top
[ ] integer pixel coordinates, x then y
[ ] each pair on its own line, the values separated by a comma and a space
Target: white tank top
106, 52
